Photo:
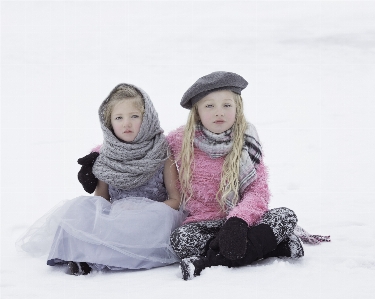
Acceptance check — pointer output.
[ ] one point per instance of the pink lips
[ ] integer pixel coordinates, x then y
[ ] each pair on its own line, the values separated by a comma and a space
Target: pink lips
219, 122
128, 132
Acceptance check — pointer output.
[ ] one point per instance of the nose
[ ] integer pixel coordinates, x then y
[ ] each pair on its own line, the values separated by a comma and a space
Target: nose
127, 123
219, 112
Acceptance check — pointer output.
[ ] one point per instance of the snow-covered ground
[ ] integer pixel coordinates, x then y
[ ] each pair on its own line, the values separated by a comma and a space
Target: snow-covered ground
311, 72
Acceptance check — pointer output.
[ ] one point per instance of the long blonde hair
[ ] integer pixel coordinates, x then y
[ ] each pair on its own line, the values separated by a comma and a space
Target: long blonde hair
229, 183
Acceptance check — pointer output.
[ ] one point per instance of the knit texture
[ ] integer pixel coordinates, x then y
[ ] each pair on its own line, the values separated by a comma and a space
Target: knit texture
212, 82
233, 238
206, 175
193, 239
153, 189
308, 238
219, 145
85, 175
128, 165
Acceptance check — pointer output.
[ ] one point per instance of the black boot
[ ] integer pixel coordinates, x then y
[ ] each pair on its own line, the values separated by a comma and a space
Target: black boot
282, 221
290, 247
258, 238
193, 266
77, 269
261, 240
275, 226
86, 269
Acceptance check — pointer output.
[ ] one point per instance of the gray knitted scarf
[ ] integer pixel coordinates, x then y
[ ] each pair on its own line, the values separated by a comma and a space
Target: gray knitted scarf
218, 145
128, 165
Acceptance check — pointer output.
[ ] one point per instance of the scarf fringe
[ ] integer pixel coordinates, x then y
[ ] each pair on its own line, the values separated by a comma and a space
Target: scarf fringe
308, 238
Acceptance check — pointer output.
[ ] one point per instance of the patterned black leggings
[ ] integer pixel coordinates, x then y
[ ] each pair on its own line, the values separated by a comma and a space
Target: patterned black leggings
191, 239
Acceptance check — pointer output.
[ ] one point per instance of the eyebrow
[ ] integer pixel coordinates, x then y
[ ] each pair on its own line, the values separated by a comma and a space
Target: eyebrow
132, 112
229, 99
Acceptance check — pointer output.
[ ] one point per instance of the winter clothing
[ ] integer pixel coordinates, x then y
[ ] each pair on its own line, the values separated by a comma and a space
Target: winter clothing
78, 268
192, 239
128, 165
132, 230
282, 222
219, 145
129, 233
310, 239
260, 241
241, 235
206, 176
153, 189
289, 247
232, 238
212, 82
85, 175
263, 238
195, 239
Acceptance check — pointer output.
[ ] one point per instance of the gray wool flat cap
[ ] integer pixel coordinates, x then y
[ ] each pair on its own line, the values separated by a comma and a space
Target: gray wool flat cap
212, 82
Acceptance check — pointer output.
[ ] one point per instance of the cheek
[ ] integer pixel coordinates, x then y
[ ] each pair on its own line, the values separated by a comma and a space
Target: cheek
233, 116
203, 116
139, 124
200, 113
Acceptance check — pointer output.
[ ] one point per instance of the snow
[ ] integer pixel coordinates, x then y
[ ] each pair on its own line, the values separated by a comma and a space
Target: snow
311, 72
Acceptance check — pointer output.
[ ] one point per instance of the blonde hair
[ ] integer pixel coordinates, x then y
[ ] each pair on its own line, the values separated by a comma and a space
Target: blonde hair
229, 183
122, 93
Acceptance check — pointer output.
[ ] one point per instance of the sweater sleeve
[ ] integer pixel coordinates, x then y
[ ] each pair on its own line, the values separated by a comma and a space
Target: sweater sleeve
96, 148
255, 199
174, 140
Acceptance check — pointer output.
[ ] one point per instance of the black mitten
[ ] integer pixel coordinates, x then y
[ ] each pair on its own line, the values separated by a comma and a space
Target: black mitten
214, 244
233, 238
85, 175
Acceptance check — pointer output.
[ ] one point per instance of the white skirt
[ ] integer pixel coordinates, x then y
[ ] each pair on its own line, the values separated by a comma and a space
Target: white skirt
131, 233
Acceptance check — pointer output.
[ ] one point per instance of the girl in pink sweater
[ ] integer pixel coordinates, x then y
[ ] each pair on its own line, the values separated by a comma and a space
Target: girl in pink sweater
224, 182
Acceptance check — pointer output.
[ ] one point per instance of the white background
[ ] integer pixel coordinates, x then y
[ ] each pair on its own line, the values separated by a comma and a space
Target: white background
311, 72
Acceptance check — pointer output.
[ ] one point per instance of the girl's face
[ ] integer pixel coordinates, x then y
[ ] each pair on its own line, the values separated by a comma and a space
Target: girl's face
217, 111
126, 120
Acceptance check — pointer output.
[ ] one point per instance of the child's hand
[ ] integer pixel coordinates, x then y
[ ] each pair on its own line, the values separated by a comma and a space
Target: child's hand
89, 159
85, 175
233, 238
214, 244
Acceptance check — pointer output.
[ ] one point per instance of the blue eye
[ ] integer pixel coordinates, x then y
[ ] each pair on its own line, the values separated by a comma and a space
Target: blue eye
135, 116
209, 106
118, 118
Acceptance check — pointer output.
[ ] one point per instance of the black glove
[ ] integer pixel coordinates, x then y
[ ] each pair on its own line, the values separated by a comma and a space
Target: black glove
85, 175
232, 239
214, 244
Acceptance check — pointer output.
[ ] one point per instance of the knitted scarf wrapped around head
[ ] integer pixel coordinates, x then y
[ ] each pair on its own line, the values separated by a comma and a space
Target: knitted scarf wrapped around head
128, 165
218, 145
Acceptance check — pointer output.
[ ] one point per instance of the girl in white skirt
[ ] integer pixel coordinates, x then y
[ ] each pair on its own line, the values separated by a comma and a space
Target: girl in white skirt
135, 207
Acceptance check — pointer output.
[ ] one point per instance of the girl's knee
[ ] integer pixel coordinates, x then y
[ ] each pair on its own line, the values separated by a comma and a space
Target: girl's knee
285, 213
188, 240
179, 240
175, 238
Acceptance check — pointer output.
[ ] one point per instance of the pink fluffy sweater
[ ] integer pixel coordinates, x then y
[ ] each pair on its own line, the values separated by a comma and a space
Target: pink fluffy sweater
205, 184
